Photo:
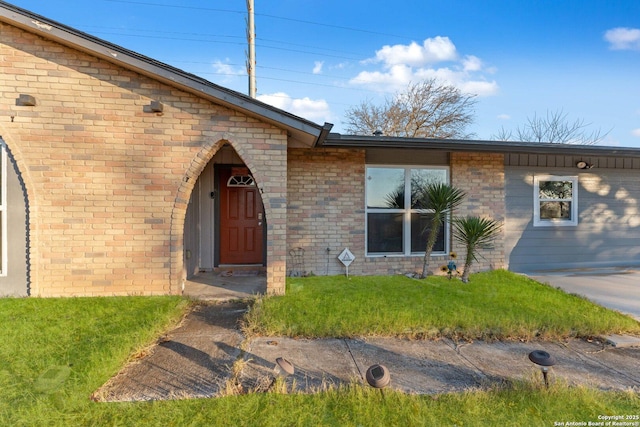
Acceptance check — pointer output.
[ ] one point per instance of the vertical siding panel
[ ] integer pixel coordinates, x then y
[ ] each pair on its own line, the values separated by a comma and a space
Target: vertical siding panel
607, 233
551, 161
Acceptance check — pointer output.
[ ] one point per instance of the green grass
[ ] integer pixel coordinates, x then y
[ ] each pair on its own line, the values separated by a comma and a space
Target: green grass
55, 353
493, 305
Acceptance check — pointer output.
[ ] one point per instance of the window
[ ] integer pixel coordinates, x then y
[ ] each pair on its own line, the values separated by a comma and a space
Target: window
3, 210
395, 222
555, 201
241, 181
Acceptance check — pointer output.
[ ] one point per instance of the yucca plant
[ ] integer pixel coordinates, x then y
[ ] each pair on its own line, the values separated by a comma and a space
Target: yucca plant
475, 233
440, 199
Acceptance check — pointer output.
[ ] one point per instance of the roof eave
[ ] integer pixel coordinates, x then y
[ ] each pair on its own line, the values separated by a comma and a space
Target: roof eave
358, 141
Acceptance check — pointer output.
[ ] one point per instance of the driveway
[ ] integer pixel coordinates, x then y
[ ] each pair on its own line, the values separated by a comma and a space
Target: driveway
618, 289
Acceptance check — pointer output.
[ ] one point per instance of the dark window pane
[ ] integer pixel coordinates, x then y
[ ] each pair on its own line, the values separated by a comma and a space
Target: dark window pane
555, 210
555, 189
384, 233
419, 179
420, 226
385, 188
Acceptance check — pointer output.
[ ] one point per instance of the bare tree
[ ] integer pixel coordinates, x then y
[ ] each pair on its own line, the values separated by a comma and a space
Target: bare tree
424, 110
553, 128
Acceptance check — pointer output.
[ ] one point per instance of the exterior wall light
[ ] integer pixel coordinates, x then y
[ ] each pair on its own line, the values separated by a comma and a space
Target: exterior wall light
153, 107
25, 101
583, 165
544, 360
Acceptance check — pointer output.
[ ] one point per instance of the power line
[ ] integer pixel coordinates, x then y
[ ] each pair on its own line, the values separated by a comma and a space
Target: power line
302, 21
208, 35
264, 46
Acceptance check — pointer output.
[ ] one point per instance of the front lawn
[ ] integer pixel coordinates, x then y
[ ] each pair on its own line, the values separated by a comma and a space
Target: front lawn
55, 353
493, 305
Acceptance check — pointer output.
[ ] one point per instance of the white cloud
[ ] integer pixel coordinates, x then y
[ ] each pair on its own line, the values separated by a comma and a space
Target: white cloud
623, 38
503, 117
227, 70
393, 79
479, 87
472, 63
404, 64
317, 67
310, 109
432, 50
636, 132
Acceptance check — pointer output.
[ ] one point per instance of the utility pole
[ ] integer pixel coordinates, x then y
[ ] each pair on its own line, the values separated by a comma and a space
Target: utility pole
251, 39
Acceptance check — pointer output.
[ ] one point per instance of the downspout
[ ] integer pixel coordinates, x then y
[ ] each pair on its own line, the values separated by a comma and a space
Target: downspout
326, 128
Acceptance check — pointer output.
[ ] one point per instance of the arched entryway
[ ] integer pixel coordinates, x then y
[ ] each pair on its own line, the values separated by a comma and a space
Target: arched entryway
225, 234
14, 231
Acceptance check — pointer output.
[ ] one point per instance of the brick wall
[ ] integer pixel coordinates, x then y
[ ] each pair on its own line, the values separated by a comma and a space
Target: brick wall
108, 184
481, 177
326, 210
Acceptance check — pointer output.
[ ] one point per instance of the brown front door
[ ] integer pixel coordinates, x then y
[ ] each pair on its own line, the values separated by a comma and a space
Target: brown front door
241, 218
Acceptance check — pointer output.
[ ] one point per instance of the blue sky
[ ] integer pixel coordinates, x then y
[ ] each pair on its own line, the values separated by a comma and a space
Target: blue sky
318, 58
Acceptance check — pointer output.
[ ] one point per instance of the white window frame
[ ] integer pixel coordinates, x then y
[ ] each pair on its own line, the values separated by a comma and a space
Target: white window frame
3, 210
406, 211
555, 222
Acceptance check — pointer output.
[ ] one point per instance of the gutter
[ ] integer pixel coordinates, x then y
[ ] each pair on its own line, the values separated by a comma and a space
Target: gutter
358, 141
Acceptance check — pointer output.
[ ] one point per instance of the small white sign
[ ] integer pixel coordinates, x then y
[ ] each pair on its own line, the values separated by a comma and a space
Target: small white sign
346, 257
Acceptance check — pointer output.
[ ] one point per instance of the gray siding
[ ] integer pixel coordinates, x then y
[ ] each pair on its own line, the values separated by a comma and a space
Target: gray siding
383, 156
15, 283
608, 230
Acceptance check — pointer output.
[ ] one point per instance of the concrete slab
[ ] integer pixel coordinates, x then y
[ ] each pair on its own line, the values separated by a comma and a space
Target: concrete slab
606, 366
622, 341
424, 367
578, 362
194, 360
222, 287
197, 360
318, 363
617, 289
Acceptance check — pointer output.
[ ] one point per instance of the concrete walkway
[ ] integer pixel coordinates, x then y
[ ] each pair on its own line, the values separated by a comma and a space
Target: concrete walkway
207, 356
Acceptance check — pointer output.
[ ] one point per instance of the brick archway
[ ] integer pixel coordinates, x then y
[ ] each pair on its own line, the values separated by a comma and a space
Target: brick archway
178, 215
267, 162
13, 150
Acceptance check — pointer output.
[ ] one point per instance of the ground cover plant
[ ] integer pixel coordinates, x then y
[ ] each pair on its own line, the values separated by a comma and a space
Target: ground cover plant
493, 305
55, 353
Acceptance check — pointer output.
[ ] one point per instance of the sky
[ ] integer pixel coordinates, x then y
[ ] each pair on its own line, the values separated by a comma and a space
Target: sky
318, 58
